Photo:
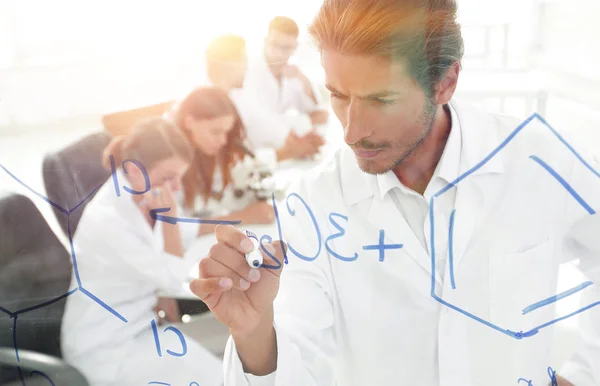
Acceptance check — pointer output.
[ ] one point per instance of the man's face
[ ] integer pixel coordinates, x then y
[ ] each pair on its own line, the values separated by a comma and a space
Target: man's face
279, 47
384, 112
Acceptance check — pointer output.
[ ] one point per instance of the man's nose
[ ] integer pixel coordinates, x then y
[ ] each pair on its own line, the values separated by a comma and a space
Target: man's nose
357, 125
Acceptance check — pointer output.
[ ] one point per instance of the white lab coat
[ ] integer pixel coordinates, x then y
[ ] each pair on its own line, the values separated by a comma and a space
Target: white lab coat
366, 322
122, 262
270, 109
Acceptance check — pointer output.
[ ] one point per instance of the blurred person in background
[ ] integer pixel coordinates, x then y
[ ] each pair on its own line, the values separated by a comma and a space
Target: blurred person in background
226, 66
285, 100
126, 257
212, 125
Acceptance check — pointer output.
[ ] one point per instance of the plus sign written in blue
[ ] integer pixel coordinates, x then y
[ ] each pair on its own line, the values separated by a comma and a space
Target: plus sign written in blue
381, 247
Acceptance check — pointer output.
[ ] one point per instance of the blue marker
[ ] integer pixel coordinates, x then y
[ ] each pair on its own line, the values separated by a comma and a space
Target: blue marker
254, 258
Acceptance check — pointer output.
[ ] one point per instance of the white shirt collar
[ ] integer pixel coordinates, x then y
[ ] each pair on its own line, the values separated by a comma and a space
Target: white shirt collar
447, 168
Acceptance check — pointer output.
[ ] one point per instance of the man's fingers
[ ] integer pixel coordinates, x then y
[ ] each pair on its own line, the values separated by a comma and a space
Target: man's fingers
234, 238
209, 290
210, 267
232, 260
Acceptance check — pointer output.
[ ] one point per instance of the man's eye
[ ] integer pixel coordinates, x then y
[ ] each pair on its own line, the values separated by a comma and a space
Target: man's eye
385, 101
336, 95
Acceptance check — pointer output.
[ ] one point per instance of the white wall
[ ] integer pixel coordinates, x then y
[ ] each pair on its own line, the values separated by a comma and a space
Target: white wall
571, 53
69, 60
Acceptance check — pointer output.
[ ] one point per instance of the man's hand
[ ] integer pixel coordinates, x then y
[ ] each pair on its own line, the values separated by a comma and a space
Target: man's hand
239, 296
242, 297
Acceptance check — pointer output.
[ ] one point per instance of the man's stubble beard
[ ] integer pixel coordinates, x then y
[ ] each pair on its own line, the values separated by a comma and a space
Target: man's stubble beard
427, 119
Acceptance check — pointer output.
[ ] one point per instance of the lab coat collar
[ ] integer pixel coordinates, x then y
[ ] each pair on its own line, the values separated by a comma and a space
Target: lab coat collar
477, 138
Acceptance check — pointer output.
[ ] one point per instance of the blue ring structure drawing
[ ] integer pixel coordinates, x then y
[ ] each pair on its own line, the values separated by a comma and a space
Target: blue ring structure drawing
531, 332
80, 288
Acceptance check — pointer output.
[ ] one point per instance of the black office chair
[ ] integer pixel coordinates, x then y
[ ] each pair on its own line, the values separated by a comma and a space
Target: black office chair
71, 174
35, 269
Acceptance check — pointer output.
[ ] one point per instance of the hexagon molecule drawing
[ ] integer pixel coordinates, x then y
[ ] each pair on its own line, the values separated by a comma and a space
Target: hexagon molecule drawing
553, 178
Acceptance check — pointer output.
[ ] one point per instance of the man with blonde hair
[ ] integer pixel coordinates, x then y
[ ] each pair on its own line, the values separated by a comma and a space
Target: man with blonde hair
426, 251
226, 68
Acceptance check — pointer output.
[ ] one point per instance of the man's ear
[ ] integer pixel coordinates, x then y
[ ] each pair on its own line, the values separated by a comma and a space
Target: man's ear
446, 87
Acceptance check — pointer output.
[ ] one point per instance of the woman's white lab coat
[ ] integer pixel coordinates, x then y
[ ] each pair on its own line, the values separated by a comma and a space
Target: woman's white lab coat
398, 321
122, 264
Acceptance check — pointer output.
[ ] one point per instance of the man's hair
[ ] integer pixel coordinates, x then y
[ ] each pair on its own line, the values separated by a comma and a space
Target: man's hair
422, 32
284, 25
226, 48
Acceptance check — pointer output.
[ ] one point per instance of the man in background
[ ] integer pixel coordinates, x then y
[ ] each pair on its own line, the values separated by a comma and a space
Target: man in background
281, 92
226, 66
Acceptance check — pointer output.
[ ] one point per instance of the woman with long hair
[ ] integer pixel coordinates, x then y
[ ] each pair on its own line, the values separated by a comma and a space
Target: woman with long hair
124, 258
212, 124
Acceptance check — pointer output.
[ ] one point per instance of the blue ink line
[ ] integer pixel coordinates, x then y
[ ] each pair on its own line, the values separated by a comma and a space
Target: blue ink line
440, 300
315, 224
268, 266
101, 303
156, 340
175, 220
431, 242
279, 232
382, 246
561, 139
7, 312
21, 376
556, 298
486, 159
142, 168
15, 337
113, 168
159, 383
535, 330
73, 257
42, 375
451, 248
85, 199
341, 233
527, 381
181, 339
564, 183
36, 193
552, 376
47, 303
